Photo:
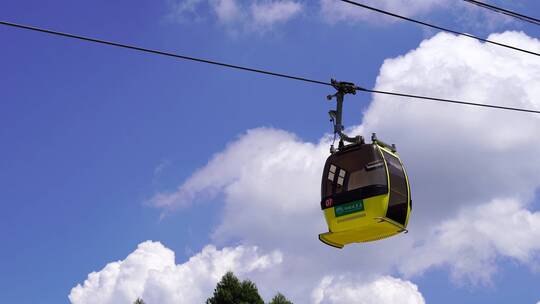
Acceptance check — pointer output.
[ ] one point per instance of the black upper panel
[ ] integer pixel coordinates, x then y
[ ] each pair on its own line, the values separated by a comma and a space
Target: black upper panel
355, 173
353, 195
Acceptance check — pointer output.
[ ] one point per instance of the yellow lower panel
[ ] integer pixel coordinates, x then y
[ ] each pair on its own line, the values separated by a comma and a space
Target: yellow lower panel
373, 207
366, 234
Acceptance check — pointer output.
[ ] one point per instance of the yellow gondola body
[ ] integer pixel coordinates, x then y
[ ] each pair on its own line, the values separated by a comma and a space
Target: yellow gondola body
377, 209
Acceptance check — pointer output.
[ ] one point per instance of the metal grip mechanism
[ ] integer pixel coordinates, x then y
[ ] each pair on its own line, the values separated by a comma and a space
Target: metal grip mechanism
342, 88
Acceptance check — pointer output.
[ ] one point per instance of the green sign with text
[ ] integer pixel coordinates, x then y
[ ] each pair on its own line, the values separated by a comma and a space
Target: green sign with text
349, 208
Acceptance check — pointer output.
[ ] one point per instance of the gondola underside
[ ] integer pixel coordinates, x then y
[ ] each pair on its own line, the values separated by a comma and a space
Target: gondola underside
362, 226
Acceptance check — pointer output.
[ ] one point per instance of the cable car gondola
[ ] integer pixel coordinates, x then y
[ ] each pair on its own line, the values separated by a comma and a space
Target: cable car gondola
365, 193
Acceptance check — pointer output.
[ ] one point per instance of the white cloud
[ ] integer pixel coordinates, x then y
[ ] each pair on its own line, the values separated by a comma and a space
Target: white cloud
249, 160
271, 12
270, 180
334, 11
474, 18
262, 15
457, 155
150, 272
226, 10
481, 20
471, 242
458, 158
462, 157
235, 16
384, 290
184, 10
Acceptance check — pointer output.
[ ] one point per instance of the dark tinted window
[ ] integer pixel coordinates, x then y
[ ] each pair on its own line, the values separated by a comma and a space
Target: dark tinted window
371, 174
353, 169
397, 206
335, 179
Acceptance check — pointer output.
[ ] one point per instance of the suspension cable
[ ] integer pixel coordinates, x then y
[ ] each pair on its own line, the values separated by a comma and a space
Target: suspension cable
440, 27
243, 68
506, 12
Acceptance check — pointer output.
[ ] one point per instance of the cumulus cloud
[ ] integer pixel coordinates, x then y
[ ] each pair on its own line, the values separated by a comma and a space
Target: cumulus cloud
236, 16
384, 290
268, 13
462, 162
270, 180
481, 20
253, 158
471, 242
184, 10
226, 10
262, 15
334, 11
462, 156
150, 272
470, 16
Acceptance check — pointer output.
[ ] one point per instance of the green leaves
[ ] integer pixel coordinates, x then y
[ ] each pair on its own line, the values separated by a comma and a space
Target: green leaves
231, 291
280, 299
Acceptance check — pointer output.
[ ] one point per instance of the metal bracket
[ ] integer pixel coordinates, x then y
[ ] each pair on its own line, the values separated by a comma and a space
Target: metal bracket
374, 139
342, 88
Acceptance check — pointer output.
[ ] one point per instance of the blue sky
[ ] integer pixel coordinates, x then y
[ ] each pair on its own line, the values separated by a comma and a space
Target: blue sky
90, 133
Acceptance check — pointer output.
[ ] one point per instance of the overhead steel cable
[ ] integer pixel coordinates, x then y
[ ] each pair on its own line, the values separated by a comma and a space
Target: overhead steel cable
440, 27
146, 50
242, 68
503, 11
450, 101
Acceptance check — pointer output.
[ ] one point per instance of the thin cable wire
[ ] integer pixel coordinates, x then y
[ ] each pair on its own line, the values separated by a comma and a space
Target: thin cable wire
440, 27
450, 101
500, 10
132, 47
237, 67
